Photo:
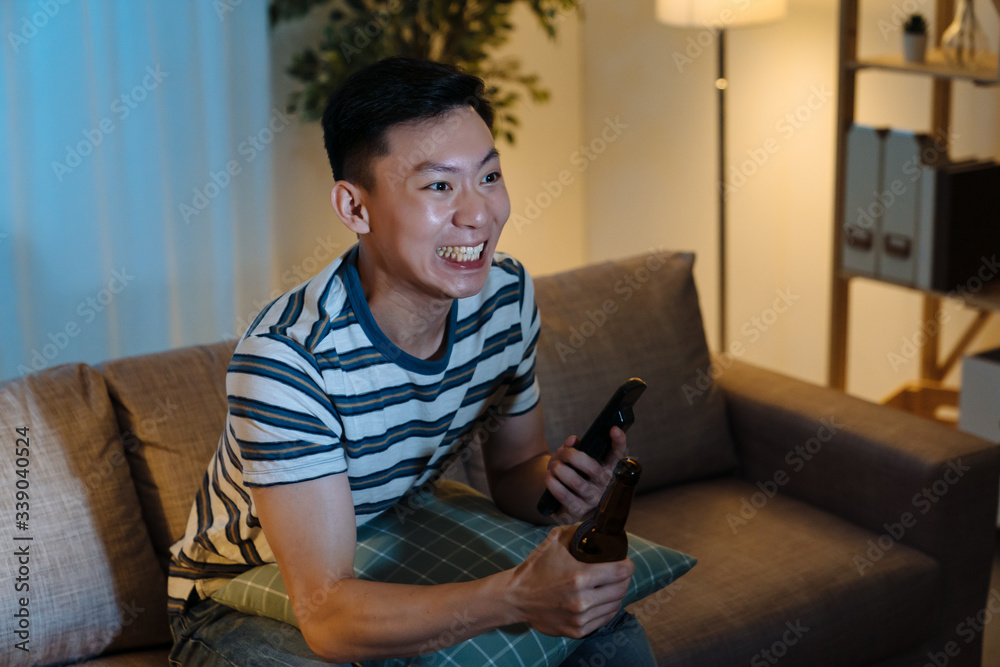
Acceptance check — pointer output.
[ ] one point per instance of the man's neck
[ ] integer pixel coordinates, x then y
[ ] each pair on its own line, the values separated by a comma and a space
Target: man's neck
416, 324
419, 330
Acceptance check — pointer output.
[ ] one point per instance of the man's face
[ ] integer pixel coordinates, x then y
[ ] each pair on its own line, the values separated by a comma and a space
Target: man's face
437, 208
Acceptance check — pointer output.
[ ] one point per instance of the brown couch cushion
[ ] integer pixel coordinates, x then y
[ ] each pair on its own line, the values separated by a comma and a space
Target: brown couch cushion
635, 317
172, 409
789, 563
94, 584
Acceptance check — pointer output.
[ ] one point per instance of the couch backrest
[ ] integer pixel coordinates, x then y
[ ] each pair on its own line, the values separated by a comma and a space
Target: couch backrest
87, 580
171, 407
636, 317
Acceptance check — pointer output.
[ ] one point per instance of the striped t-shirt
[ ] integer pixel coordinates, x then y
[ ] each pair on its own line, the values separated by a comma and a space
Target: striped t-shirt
315, 389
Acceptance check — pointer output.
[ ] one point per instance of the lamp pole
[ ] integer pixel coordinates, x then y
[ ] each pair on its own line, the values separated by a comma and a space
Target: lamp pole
721, 84
721, 14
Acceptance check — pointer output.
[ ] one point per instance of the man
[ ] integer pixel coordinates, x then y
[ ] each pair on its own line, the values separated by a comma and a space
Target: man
359, 384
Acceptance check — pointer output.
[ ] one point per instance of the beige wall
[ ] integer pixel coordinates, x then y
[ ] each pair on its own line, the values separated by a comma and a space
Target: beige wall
631, 130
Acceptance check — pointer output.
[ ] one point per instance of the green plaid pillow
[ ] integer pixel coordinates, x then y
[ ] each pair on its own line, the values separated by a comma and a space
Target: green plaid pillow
455, 535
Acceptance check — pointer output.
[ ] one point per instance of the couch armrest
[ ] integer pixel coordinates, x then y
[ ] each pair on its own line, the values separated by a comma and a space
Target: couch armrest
929, 486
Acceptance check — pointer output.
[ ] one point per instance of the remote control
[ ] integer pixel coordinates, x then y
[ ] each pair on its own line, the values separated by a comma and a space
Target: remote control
596, 442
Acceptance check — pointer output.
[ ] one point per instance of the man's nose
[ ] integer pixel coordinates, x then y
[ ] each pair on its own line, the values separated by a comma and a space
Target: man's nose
473, 209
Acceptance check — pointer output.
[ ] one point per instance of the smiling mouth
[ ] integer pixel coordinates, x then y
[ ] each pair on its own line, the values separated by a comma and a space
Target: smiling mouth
461, 253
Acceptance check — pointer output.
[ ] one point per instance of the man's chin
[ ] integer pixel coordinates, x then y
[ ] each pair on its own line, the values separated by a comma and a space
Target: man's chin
468, 286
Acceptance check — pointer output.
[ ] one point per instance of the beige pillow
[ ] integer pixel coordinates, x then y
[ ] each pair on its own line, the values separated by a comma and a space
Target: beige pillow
172, 409
93, 581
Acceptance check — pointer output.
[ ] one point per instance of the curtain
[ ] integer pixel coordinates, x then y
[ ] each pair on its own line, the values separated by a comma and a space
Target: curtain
134, 176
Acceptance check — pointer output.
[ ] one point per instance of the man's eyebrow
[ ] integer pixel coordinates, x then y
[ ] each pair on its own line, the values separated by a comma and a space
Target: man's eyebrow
450, 168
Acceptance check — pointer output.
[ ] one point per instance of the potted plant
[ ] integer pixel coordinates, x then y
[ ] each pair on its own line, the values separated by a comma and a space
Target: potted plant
466, 33
915, 39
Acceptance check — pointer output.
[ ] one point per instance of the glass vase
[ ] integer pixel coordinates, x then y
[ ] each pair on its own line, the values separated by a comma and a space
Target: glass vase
964, 42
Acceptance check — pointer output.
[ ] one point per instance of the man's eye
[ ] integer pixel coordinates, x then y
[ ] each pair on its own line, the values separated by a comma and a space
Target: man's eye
492, 177
440, 186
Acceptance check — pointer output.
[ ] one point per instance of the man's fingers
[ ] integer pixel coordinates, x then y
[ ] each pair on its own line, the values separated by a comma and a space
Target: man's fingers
619, 445
583, 463
602, 615
609, 575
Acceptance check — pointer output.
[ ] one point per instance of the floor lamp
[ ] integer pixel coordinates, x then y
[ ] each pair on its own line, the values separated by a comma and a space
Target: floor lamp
718, 16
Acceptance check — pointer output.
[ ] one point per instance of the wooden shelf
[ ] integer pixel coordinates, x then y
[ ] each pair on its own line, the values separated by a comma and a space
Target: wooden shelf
985, 72
986, 298
934, 363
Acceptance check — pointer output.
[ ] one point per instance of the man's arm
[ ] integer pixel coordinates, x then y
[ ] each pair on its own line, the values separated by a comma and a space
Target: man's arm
310, 527
519, 469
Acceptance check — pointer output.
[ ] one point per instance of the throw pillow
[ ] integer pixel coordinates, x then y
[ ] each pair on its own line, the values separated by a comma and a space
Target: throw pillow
457, 534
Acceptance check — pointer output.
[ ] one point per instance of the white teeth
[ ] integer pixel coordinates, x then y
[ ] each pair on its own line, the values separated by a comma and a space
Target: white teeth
461, 253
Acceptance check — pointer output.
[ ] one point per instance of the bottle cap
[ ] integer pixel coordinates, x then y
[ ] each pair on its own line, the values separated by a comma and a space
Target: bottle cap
628, 471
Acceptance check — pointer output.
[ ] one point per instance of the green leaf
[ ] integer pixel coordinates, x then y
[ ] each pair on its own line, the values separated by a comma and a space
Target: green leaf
463, 32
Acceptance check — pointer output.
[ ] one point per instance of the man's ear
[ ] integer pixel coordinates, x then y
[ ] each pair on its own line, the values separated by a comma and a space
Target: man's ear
349, 202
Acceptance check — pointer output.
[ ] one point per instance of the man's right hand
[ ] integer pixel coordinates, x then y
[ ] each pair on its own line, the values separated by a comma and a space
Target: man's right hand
346, 617
560, 596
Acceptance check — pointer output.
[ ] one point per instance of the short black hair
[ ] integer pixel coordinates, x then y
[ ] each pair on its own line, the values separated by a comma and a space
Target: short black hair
392, 91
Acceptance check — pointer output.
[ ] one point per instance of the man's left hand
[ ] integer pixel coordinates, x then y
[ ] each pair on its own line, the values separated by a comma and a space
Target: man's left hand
580, 495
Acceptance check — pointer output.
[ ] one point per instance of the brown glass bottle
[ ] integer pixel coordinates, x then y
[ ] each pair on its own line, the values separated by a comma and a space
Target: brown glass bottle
602, 539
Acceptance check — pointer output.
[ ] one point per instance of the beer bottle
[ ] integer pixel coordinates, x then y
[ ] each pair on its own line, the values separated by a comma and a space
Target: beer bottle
602, 539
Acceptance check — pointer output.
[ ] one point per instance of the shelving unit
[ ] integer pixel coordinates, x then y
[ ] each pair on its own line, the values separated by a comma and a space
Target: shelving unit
932, 369
985, 72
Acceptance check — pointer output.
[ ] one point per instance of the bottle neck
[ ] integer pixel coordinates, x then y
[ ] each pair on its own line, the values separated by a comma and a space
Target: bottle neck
612, 512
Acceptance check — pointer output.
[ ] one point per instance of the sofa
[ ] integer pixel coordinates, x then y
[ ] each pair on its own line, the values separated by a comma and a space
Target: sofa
828, 530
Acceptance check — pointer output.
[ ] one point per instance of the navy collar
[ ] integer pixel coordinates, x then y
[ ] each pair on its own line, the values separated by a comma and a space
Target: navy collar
379, 340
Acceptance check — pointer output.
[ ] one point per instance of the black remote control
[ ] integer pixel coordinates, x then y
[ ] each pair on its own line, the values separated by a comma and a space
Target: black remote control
597, 440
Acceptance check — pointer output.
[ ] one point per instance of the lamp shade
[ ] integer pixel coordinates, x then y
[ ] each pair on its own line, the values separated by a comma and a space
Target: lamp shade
719, 13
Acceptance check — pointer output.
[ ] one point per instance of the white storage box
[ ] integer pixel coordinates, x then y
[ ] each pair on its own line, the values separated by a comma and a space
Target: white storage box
979, 399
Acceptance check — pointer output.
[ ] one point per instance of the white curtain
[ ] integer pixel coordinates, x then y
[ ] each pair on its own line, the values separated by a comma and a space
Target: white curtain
134, 176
